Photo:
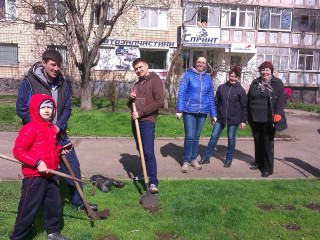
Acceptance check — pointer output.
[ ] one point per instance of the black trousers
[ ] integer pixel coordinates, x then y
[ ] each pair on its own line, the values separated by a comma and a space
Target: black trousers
263, 134
37, 191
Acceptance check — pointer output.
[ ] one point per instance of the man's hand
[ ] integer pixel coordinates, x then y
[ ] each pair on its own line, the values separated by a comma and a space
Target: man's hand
178, 115
133, 93
242, 125
42, 167
135, 115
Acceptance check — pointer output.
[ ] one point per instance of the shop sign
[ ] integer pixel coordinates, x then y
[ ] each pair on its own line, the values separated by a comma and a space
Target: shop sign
139, 43
243, 48
196, 36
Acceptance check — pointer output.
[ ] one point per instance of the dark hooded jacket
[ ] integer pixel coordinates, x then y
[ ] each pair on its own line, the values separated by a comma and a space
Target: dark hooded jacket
37, 140
231, 104
36, 82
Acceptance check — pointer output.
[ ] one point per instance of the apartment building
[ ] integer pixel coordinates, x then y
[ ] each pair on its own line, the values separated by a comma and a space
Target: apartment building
286, 32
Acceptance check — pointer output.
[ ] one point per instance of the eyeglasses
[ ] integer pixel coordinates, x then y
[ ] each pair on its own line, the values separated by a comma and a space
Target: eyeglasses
203, 63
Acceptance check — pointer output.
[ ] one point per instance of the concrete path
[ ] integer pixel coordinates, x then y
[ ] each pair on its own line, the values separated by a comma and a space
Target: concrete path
118, 157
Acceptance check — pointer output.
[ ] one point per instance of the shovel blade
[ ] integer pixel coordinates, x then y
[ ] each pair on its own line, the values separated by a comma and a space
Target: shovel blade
149, 200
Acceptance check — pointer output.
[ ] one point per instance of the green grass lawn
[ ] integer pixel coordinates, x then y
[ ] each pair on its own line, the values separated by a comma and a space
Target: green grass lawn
100, 121
190, 209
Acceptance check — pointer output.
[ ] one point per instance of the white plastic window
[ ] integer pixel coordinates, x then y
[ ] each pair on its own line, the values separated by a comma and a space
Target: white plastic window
153, 18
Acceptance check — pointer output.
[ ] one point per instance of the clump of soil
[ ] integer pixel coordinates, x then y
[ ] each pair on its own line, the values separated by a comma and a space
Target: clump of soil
166, 236
313, 206
265, 207
109, 237
152, 209
291, 226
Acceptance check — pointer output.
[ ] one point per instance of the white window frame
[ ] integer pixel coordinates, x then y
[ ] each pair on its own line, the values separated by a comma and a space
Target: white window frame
6, 60
196, 9
275, 14
227, 12
299, 53
156, 50
271, 54
161, 24
108, 18
53, 13
6, 8
297, 16
63, 51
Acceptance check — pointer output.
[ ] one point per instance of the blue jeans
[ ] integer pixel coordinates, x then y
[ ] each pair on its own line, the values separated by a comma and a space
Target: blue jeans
193, 123
216, 132
147, 137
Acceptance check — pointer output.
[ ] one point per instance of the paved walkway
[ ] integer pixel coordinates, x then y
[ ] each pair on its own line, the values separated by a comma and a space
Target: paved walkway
118, 158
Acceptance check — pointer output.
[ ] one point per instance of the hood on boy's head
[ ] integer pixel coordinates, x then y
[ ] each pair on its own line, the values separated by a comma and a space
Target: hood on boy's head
43, 100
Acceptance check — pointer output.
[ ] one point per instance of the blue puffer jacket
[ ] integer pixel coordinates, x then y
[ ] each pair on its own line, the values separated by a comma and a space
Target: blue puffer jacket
196, 94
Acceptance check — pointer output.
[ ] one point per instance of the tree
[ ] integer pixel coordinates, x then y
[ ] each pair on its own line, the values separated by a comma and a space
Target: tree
83, 25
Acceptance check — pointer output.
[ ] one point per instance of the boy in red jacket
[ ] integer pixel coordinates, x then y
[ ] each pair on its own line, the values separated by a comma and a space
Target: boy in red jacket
36, 148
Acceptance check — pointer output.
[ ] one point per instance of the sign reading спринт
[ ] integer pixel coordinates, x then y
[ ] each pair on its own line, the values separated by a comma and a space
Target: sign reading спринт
201, 37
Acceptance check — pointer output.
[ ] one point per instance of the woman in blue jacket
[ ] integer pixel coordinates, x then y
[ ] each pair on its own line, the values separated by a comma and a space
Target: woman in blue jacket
231, 103
195, 100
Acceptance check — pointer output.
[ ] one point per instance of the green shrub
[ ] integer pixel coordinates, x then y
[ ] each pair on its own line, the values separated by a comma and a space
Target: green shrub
304, 107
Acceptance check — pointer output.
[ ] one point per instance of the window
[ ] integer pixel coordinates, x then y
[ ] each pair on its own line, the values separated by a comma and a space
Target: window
154, 18
9, 54
63, 51
306, 20
99, 12
203, 16
235, 60
275, 18
241, 17
56, 11
278, 56
8, 9
156, 59
305, 59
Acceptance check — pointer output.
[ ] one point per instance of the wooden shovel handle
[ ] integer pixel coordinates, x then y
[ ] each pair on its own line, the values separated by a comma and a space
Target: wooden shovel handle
143, 163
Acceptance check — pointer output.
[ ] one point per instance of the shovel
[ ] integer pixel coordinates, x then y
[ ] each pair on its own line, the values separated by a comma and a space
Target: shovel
148, 200
98, 215
94, 215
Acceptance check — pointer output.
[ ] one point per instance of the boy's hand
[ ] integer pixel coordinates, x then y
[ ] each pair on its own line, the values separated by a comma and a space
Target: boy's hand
42, 167
242, 125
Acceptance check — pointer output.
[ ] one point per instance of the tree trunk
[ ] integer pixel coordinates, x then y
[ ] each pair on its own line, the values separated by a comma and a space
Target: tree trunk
166, 96
86, 103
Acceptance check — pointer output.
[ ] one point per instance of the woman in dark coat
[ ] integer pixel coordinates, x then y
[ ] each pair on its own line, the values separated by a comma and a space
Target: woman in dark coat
231, 106
265, 116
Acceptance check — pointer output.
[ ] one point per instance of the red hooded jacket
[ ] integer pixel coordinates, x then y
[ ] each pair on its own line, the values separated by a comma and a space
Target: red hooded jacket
37, 140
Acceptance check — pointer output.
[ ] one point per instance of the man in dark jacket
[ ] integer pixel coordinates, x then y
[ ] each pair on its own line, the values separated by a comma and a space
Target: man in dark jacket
44, 77
147, 94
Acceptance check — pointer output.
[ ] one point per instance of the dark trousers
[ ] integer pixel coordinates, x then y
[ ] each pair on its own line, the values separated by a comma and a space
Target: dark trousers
263, 134
147, 130
75, 166
37, 191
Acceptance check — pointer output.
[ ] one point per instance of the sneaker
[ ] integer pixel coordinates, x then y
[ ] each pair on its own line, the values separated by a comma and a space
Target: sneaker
185, 167
227, 164
196, 165
81, 207
56, 236
154, 189
204, 161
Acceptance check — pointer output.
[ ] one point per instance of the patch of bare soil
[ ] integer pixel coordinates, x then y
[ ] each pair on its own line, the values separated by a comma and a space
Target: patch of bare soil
109, 237
313, 206
291, 226
166, 236
152, 209
289, 208
265, 207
